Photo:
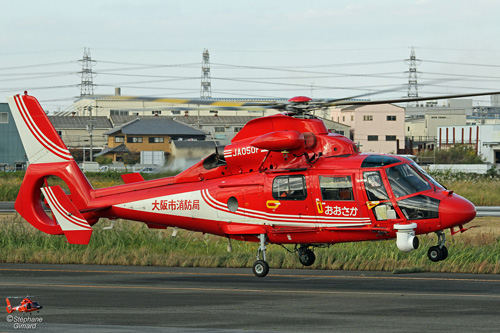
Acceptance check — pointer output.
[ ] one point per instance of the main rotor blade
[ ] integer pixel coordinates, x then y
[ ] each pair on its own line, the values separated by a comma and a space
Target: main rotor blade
407, 100
200, 107
195, 101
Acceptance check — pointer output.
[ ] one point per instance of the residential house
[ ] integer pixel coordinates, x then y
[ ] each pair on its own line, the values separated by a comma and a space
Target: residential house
148, 134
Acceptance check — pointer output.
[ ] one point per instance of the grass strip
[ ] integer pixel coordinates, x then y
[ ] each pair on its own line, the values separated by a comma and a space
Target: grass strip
132, 243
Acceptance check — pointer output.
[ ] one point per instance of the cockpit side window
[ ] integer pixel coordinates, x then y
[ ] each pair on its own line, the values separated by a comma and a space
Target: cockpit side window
404, 180
375, 189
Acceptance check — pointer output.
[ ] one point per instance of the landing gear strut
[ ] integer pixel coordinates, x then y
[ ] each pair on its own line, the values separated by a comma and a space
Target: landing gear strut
438, 252
261, 267
306, 255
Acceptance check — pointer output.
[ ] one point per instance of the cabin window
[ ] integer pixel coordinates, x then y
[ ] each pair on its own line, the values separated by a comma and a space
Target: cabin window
289, 187
338, 188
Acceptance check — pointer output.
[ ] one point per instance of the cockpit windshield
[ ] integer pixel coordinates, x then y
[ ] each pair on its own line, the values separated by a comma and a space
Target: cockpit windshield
404, 180
426, 175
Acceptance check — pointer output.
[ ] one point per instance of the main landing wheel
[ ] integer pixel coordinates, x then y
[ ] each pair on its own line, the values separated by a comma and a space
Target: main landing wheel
437, 253
306, 257
260, 268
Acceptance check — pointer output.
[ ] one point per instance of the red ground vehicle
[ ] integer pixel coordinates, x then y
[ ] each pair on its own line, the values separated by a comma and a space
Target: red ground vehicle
282, 180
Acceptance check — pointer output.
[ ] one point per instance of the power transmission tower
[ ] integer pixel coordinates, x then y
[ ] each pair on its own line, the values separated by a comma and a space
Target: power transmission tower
87, 75
206, 85
413, 74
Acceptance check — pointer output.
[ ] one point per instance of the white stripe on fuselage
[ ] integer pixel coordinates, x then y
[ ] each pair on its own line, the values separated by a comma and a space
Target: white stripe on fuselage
200, 204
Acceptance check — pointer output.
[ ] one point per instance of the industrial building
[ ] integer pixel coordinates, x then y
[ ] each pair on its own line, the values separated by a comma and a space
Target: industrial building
484, 139
12, 154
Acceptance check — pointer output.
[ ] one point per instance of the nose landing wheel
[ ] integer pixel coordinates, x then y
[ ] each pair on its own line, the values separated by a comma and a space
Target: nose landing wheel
438, 252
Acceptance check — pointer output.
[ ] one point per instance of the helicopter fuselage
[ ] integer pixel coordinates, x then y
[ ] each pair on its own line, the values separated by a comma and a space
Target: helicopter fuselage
283, 180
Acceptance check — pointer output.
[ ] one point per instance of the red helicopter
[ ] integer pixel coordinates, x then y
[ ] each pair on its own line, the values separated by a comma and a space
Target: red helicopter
284, 179
27, 305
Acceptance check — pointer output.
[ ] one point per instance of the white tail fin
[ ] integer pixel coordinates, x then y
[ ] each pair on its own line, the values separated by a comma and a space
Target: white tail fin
40, 140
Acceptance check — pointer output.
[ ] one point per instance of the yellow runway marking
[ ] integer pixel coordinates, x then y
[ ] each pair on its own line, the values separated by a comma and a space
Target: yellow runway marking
242, 274
232, 290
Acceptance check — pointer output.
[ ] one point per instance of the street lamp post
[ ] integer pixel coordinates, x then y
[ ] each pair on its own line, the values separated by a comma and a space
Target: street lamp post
90, 129
84, 143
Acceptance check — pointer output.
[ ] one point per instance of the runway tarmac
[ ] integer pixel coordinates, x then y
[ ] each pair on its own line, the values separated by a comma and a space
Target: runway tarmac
81, 298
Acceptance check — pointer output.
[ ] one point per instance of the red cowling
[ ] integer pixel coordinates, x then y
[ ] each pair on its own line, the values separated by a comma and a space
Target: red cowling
280, 140
300, 99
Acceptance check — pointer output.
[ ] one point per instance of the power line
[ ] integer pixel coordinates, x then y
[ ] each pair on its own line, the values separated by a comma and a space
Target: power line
461, 63
39, 65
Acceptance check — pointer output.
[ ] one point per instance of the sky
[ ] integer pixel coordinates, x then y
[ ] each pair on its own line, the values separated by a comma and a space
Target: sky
258, 49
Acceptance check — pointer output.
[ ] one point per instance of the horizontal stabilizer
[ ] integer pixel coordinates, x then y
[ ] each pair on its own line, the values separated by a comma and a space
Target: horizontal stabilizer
132, 178
75, 227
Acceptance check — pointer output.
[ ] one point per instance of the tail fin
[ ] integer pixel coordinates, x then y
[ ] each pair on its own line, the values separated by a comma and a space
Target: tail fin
40, 140
48, 156
9, 307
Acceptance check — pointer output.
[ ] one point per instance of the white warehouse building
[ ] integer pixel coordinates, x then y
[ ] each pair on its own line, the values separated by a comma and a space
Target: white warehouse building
484, 138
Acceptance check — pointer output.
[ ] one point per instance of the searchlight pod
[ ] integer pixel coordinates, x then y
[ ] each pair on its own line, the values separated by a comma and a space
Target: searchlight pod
405, 237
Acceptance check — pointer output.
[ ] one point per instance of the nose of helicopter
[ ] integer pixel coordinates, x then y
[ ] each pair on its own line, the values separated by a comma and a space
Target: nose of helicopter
455, 210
